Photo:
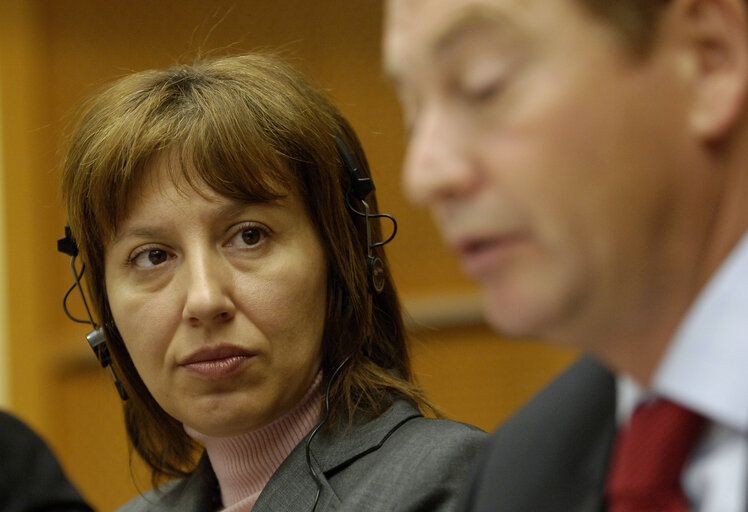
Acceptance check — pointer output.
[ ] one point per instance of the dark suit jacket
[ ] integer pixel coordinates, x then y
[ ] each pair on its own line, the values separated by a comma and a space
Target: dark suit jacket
400, 461
31, 479
553, 455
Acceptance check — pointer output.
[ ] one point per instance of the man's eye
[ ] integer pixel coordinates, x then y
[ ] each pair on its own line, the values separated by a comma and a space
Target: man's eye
484, 93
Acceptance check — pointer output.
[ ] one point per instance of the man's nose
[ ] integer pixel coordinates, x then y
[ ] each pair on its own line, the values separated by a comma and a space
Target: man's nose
437, 165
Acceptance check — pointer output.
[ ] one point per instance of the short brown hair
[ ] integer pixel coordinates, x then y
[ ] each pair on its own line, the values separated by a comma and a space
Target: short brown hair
250, 128
635, 20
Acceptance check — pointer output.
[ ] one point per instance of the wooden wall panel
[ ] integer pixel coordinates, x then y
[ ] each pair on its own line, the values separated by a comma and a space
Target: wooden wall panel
479, 378
33, 272
89, 434
55, 53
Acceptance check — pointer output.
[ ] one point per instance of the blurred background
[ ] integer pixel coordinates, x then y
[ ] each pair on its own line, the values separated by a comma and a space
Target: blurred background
53, 54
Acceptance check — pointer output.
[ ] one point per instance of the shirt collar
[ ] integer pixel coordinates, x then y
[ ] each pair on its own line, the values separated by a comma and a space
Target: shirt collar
706, 365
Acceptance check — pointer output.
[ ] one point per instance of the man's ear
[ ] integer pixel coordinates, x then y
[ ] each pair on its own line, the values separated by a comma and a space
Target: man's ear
715, 38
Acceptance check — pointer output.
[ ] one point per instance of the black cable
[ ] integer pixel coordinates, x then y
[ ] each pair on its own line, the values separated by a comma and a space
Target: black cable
96, 338
316, 429
375, 216
77, 284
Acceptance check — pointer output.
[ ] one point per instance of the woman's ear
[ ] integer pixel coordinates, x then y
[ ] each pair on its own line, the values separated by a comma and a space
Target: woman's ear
714, 37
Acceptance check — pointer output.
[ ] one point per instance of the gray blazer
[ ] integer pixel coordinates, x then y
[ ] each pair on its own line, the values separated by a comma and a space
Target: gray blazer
400, 461
553, 455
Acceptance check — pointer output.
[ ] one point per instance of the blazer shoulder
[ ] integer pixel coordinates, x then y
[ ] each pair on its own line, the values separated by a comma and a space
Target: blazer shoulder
421, 465
584, 391
416, 434
438, 434
553, 453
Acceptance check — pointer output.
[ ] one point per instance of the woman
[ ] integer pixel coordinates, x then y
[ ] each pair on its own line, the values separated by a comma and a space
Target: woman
222, 212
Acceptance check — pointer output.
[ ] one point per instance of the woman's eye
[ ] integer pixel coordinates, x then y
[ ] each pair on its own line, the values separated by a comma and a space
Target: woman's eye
150, 258
249, 236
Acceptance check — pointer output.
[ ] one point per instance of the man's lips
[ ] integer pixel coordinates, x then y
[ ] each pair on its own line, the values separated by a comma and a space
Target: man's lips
482, 255
217, 362
469, 244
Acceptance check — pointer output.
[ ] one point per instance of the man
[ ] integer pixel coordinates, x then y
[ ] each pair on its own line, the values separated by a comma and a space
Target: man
587, 161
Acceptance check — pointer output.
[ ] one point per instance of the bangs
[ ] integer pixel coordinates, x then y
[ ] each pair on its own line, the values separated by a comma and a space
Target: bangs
228, 144
214, 133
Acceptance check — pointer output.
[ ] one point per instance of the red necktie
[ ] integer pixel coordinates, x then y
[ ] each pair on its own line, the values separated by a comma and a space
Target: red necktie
648, 458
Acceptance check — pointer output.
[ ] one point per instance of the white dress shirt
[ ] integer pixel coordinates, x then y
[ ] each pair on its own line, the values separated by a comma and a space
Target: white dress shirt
706, 370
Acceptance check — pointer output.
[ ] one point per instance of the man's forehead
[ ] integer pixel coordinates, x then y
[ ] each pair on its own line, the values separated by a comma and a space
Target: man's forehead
433, 26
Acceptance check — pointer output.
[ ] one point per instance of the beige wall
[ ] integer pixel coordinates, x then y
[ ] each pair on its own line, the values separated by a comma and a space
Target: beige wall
53, 53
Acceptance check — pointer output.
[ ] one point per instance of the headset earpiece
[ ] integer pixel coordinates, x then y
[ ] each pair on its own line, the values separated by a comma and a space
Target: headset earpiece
361, 187
67, 243
376, 273
96, 338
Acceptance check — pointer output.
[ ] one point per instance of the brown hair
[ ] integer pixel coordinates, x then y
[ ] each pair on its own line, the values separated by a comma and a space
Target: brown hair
250, 128
635, 20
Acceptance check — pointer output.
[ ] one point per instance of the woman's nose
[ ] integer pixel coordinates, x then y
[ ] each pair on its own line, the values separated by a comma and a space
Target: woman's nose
208, 298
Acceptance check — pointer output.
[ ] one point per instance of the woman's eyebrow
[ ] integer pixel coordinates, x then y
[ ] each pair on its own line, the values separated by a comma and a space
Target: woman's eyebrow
135, 232
232, 208
235, 207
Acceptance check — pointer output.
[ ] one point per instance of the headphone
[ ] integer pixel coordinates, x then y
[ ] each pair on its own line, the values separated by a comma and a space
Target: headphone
361, 187
96, 338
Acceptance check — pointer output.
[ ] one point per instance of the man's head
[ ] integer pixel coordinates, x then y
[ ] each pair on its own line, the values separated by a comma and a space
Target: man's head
568, 151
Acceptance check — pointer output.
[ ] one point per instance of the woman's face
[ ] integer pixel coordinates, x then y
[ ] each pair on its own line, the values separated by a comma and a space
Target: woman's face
221, 304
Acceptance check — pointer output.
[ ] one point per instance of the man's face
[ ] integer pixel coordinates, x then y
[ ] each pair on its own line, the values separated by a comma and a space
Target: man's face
555, 164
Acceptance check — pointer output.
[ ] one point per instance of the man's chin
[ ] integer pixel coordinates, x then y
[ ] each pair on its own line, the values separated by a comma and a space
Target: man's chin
517, 318
509, 322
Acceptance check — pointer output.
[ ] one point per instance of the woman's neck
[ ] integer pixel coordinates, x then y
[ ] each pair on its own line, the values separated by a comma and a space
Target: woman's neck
244, 464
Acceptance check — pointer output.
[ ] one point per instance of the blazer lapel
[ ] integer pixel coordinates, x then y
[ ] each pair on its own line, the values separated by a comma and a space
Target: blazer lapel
196, 493
292, 486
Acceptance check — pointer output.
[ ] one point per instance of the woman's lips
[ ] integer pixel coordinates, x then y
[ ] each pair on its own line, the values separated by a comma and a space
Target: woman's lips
217, 363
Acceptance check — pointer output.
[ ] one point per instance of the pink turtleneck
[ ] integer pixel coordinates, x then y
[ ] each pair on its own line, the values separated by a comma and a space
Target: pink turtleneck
243, 464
